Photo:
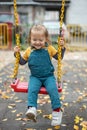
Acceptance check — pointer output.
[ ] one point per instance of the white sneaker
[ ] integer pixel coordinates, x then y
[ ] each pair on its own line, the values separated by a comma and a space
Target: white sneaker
56, 118
32, 113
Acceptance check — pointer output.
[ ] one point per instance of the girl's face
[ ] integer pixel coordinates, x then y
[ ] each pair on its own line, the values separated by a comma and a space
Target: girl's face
38, 39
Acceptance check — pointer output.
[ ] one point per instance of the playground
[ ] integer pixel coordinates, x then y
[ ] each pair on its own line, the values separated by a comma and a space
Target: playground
73, 97
71, 72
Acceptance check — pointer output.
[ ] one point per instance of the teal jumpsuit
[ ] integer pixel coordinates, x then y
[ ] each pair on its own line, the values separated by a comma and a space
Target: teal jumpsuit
42, 73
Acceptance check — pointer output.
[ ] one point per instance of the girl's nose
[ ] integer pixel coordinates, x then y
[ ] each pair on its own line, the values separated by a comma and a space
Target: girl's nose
37, 42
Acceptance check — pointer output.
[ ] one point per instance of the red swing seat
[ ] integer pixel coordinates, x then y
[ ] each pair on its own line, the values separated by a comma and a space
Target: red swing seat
22, 87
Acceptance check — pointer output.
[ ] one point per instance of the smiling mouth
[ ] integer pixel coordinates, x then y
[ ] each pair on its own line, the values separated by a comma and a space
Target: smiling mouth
37, 45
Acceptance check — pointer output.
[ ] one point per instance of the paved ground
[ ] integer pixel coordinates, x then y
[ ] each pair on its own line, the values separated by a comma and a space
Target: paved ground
74, 96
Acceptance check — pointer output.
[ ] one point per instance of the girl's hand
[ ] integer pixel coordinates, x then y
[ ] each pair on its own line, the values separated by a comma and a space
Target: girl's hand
62, 42
16, 49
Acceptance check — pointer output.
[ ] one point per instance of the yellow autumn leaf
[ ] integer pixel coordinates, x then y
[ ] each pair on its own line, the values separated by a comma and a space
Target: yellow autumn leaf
48, 116
13, 111
13, 105
15, 98
76, 127
84, 106
81, 119
4, 119
84, 124
65, 104
79, 98
10, 107
62, 97
84, 128
18, 119
63, 125
85, 95
39, 111
18, 101
57, 127
25, 119
77, 119
19, 114
4, 96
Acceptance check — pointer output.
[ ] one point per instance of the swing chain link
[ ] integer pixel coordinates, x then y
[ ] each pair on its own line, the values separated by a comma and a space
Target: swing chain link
59, 71
17, 36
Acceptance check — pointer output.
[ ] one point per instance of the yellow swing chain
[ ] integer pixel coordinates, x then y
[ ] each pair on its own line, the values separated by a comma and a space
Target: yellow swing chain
17, 36
16, 66
59, 73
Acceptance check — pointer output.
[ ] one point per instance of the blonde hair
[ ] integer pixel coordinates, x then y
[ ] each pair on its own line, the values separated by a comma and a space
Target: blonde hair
40, 27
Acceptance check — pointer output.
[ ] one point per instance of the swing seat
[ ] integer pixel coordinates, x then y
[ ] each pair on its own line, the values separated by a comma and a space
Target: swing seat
22, 87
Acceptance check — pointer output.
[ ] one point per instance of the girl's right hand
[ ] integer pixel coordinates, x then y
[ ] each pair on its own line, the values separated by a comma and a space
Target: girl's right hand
16, 49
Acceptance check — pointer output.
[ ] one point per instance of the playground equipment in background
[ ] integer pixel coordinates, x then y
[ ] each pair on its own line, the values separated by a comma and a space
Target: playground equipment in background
7, 30
5, 35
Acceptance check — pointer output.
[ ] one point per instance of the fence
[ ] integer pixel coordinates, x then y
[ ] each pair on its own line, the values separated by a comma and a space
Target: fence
3, 35
78, 34
6, 35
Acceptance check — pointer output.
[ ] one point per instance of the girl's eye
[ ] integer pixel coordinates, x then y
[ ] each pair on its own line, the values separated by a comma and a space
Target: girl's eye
34, 39
41, 40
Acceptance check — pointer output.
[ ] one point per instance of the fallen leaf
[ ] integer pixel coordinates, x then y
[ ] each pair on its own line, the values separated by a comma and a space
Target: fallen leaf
79, 98
63, 125
18, 101
84, 128
76, 127
84, 124
10, 107
4, 96
39, 111
18, 119
65, 104
77, 119
25, 119
13, 111
4, 119
13, 105
19, 114
57, 127
48, 116
62, 97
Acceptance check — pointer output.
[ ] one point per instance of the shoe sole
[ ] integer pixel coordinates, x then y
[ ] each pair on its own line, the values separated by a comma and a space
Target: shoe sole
31, 116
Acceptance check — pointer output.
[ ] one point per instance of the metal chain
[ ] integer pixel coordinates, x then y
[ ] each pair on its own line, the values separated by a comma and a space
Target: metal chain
17, 36
16, 66
59, 73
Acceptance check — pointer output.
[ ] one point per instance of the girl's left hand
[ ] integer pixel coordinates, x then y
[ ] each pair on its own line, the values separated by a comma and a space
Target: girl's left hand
62, 42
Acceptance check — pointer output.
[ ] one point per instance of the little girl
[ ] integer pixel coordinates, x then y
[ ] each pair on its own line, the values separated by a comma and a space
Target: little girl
39, 56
